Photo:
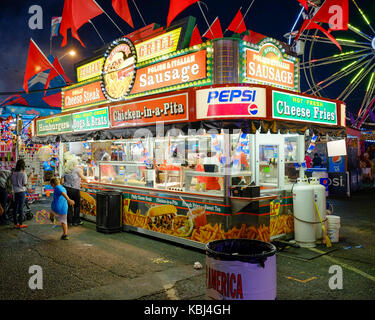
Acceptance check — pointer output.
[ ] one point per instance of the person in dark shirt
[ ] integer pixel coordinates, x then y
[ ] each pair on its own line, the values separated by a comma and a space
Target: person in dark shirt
317, 161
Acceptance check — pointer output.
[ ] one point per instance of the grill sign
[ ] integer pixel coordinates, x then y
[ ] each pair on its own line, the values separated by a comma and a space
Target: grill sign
158, 46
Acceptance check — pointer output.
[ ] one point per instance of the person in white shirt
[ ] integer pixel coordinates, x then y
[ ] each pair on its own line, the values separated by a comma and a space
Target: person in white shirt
19, 181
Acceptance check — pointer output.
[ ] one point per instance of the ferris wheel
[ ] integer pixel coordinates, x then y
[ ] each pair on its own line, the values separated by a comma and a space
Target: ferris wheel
348, 75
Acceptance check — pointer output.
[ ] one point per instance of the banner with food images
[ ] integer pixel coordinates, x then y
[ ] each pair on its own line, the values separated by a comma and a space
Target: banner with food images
88, 203
193, 219
190, 218
282, 219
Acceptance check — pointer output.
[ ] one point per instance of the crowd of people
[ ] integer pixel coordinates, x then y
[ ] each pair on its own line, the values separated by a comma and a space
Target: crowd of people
66, 196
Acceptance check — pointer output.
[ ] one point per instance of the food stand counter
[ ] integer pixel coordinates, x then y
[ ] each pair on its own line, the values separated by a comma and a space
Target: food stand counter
198, 152
184, 217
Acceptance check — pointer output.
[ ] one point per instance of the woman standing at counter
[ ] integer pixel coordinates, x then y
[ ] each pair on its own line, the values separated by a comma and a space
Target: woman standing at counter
72, 182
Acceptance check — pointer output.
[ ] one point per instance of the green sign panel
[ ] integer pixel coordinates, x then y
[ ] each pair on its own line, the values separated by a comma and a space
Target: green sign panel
91, 120
299, 108
55, 125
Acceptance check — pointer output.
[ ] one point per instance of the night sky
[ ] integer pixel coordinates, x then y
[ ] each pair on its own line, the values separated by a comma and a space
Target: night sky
273, 18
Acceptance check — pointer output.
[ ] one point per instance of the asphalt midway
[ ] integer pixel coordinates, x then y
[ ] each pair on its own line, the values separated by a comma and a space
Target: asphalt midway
128, 266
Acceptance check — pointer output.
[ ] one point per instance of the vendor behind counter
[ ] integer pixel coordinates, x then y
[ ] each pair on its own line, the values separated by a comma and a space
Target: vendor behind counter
210, 164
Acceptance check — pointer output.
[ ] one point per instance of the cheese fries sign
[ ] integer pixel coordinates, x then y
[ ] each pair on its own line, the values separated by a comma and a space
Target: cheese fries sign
119, 69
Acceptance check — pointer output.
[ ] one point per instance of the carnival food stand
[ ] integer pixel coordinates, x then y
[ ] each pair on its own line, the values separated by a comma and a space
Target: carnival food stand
202, 141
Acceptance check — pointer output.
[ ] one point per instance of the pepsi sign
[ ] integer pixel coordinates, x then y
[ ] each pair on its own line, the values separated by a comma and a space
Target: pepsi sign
339, 184
336, 164
232, 95
231, 102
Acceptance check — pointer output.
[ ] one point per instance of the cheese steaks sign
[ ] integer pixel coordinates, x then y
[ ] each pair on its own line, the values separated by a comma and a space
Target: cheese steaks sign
168, 109
86, 95
268, 65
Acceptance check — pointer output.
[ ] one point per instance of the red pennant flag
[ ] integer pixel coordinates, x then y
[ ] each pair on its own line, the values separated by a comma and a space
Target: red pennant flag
53, 100
309, 24
304, 4
9, 98
176, 7
214, 31
75, 14
195, 37
253, 37
122, 9
335, 13
20, 101
17, 99
237, 25
56, 71
36, 63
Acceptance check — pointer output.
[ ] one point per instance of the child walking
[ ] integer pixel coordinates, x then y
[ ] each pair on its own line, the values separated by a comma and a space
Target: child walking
60, 205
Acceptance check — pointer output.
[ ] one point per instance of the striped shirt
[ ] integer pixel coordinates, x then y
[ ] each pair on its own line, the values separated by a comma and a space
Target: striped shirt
4, 176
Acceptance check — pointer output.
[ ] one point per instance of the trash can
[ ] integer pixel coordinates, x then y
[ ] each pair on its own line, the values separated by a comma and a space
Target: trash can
108, 212
240, 269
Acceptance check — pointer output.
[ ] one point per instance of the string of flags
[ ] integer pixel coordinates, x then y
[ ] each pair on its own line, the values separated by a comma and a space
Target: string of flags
145, 154
242, 147
312, 144
76, 13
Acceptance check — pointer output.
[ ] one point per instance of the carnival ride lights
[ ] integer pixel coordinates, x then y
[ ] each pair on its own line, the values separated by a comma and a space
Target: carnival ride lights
354, 67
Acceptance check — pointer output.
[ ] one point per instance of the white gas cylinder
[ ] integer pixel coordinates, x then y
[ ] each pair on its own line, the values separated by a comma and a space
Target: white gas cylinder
304, 213
320, 199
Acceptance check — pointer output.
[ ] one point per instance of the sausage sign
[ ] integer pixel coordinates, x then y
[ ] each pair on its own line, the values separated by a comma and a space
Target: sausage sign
269, 65
184, 69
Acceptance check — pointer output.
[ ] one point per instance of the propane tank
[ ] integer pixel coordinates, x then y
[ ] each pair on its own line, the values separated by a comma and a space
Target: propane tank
304, 213
320, 199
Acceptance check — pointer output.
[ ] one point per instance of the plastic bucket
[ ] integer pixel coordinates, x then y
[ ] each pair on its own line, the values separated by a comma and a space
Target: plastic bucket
240, 269
333, 228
